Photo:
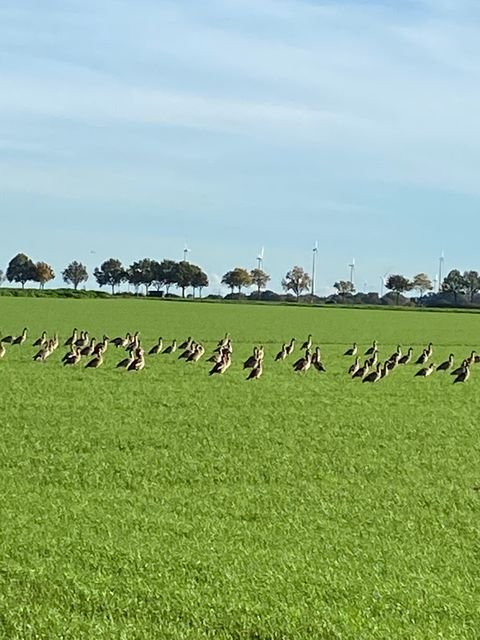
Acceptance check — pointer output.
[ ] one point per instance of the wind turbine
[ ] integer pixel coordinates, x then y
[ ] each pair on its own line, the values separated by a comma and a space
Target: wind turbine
352, 270
383, 281
260, 259
314, 264
441, 262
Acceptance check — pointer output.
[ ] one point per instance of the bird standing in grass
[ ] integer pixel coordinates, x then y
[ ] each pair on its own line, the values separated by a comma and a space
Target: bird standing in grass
222, 366
372, 349
352, 351
426, 371
407, 357
374, 376
256, 372
464, 375
171, 348
303, 364
157, 348
95, 362
354, 367
448, 364
307, 344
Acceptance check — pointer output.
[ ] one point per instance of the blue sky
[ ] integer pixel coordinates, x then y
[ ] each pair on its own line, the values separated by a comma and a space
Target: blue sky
130, 128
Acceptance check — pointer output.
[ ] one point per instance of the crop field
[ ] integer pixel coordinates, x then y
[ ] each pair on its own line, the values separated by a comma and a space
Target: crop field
171, 504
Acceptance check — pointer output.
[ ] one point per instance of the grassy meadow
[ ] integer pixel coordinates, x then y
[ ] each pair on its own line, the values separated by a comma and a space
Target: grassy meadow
170, 504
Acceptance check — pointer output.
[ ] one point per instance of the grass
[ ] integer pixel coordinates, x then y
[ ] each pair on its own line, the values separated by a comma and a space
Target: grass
168, 504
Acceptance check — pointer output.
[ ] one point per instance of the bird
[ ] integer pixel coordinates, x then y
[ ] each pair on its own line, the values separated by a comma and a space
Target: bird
372, 361
308, 343
101, 346
186, 344
361, 371
83, 340
171, 348
73, 357
126, 362
374, 376
188, 351
21, 338
252, 360
224, 341
303, 364
396, 354
370, 351
256, 372
393, 362
122, 342
282, 354
157, 348
95, 362
134, 342
43, 353
405, 359
422, 358
352, 351
3, 350
289, 348
222, 366
138, 362
384, 370
354, 367
39, 342
197, 353
317, 361
448, 364
88, 349
429, 349
473, 358
426, 371
69, 341
461, 369
464, 375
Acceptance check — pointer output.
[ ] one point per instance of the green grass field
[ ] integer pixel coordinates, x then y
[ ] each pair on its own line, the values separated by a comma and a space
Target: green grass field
170, 504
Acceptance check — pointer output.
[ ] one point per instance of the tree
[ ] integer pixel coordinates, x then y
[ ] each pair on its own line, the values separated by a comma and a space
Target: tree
43, 273
344, 287
422, 283
183, 275
142, 272
110, 272
199, 279
454, 283
259, 278
75, 273
296, 280
237, 277
471, 281
21, 269
399, 284
164, 273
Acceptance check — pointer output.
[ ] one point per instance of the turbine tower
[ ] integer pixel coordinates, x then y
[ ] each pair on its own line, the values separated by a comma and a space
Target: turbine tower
352, 270
441, 262
186, 251
314, 264
260, 259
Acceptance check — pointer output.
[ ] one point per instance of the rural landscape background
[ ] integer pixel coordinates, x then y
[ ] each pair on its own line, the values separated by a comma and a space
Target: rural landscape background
239, 335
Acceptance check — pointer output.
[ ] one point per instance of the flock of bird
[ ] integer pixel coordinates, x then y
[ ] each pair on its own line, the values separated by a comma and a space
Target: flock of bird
370, 370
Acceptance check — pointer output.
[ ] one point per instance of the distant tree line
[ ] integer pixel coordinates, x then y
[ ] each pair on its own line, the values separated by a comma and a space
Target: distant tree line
146, 272
457, 288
